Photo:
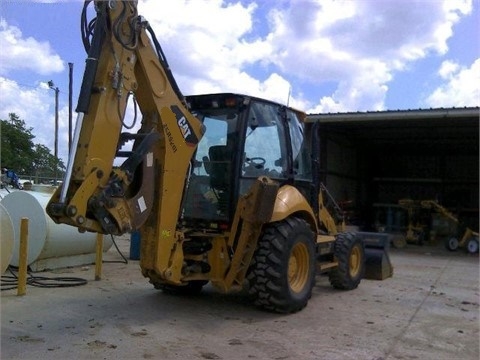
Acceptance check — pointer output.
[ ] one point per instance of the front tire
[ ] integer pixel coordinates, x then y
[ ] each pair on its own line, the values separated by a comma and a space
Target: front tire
349, 251
282, 274
472, 245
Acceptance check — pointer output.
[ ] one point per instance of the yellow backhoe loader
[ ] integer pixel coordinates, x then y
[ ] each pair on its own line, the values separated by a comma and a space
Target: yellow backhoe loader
467, 238
223, 188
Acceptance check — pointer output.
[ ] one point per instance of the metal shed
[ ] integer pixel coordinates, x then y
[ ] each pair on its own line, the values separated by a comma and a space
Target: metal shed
371, 158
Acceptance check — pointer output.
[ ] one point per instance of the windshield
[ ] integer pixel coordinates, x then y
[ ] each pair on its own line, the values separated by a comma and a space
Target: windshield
265, 148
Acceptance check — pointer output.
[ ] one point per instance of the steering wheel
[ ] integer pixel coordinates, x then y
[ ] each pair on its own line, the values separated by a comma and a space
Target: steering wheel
257, 162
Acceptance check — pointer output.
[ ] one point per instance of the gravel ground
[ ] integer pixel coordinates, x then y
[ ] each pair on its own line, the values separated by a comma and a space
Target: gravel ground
429, 309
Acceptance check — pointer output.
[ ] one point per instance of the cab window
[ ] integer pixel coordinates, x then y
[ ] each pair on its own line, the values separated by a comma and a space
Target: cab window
264, 151
300, 148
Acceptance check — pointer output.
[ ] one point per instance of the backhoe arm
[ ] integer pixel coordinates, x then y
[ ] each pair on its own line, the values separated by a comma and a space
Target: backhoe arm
96, 195
432, 204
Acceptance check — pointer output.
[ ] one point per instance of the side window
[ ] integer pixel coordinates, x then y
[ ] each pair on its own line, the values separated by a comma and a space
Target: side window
264, 152
300, 148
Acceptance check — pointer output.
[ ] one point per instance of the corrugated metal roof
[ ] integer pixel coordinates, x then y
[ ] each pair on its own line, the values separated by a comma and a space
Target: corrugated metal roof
437, 113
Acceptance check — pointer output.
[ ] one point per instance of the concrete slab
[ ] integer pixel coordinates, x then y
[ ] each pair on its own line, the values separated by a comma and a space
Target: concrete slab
428, 310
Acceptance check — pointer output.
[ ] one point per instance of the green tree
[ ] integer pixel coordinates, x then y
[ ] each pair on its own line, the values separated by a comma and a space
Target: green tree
16, 144
44, 163
18, 152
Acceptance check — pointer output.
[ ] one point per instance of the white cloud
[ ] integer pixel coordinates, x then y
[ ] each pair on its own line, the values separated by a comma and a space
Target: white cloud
20, 53
461, 87
447, 69
36, 107
358, 45
210, 47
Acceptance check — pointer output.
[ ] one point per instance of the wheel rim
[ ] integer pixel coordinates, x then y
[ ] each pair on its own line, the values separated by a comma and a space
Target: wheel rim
472, 246
298, 266
453, 243
355, 261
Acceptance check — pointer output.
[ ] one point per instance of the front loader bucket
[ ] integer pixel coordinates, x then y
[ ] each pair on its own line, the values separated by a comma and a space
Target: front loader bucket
377, 261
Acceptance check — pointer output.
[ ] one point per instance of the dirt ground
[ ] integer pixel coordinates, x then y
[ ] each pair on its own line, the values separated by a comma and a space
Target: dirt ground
428, 310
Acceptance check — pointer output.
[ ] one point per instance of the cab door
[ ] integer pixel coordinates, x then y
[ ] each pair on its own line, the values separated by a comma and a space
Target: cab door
265, 151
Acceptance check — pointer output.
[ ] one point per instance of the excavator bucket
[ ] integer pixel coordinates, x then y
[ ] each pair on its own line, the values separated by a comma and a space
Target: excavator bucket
377, 261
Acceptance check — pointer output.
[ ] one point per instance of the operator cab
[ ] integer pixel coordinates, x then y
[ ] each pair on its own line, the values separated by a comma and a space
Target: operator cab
246, 137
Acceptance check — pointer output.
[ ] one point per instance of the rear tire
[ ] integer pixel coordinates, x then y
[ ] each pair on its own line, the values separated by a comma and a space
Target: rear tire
452, 244
349, 251
282, 273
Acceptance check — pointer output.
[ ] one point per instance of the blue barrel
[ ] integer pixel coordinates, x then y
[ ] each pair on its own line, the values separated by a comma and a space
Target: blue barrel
135, 245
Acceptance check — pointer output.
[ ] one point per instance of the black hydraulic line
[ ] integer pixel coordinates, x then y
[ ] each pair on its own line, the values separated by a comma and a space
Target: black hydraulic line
91, 63
9, 282
85, 27
124, 261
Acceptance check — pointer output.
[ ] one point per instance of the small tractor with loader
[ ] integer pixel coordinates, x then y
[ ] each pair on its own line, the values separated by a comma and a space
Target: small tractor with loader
415, 232
466, 238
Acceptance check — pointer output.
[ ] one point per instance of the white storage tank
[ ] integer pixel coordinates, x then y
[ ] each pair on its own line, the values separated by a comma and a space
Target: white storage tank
50, 245
7, 236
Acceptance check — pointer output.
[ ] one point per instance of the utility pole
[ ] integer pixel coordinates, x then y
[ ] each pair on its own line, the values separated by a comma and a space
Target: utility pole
52, 86
70, 85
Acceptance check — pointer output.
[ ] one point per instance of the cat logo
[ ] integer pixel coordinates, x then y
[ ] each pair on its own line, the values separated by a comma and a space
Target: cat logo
184, 128
187, 132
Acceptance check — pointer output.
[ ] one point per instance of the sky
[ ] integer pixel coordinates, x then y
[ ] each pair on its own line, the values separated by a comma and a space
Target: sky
320, 56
